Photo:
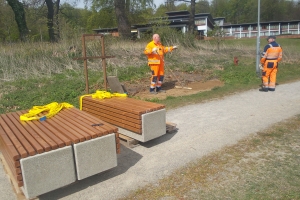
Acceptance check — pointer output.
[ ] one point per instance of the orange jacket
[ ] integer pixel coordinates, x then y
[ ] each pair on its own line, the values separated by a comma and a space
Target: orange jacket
272, 51
153, 58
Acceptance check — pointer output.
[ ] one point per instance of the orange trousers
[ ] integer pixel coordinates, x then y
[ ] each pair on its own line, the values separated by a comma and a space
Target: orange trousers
157, 76
269, 74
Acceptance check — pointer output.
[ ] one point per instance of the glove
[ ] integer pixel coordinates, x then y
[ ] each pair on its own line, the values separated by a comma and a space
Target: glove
175, 47
261, 66
154, 50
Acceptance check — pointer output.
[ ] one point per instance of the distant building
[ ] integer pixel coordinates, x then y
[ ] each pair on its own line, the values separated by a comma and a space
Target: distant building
204, 22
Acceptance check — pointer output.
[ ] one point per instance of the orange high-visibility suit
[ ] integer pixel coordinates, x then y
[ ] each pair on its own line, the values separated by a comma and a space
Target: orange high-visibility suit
271, 56
156, 63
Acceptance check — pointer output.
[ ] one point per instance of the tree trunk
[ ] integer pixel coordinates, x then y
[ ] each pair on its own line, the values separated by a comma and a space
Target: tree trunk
50, 15
19, 12
192, 17
57, 3
123, 22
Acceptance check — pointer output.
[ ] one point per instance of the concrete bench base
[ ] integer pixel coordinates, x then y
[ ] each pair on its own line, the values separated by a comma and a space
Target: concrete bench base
153, 126
48, 171
95, 156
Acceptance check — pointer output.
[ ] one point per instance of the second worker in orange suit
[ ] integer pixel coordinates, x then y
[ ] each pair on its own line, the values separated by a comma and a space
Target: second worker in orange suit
271, 56
155, 52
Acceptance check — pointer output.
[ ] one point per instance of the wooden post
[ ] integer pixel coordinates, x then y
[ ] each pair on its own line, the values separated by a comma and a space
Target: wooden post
104, 64
85, 65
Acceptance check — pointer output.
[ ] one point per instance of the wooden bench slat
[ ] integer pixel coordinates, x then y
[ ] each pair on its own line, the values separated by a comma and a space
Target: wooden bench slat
109, 118
83, 124
33, 138
64, 130
87, 123
10, 164
112, 110
19, 147
137, 130
22, 135
111, 115
44, 139
136, 105
61, 139
148, 104
106, 126
77, 131
107, 103
9, 145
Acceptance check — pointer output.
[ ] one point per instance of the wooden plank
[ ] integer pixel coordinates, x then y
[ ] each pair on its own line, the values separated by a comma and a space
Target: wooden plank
108, 103
19, 147
80, 123
170, 127
114, 122
95, 120
120, 119
45, 138
15, 184
32, 136
113, 111
23, 136
9, 145
138, 104
75, 129
61, 139
128, 141
65, 131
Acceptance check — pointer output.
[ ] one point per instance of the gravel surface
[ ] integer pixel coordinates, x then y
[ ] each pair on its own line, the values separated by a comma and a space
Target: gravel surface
202, 128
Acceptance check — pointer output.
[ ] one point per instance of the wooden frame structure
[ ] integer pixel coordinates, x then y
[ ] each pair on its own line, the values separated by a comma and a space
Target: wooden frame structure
85, 58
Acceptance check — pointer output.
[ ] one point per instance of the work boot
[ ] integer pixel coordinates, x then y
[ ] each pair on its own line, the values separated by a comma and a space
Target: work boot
263, 89
152, 91
159, 90
271, 89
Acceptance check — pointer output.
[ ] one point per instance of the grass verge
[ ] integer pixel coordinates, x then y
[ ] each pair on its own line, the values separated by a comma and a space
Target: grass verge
263, 166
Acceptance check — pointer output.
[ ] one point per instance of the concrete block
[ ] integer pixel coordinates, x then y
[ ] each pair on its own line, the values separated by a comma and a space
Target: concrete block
95, 156
153, 126
48, 171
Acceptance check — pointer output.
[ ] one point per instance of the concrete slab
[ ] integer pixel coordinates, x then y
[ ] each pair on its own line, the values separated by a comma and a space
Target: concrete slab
95, 156
114, 84
48, 171
153, 126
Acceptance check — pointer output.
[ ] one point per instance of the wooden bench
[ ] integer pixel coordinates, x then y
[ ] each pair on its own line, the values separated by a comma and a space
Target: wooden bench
137, 119
23, 143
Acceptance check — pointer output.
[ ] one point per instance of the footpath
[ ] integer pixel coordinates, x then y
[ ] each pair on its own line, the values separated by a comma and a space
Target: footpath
202, 129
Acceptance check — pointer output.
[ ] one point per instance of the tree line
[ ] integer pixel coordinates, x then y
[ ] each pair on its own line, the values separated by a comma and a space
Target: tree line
51, 20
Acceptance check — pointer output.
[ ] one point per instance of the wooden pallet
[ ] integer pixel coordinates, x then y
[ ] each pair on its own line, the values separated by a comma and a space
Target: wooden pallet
131, 143
128, 141
19, 193
170, 127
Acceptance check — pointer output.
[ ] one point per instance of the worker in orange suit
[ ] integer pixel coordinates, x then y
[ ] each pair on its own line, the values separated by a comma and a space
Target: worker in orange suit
155, 52
269, 62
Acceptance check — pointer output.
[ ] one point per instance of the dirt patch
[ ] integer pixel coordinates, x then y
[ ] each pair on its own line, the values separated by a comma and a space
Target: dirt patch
190, 83
191, 88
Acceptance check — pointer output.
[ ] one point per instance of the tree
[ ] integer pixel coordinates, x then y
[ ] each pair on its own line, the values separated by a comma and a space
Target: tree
19, 12
123, 8
218, 35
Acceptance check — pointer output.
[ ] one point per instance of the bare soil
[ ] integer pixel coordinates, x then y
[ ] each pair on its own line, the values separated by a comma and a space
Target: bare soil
177, 84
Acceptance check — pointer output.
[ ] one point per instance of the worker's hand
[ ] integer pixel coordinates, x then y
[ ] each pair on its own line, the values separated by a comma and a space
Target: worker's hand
154, 50
175, 47
261, 66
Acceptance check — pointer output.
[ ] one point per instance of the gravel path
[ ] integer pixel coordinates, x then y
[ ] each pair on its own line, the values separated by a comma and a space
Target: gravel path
202, 128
